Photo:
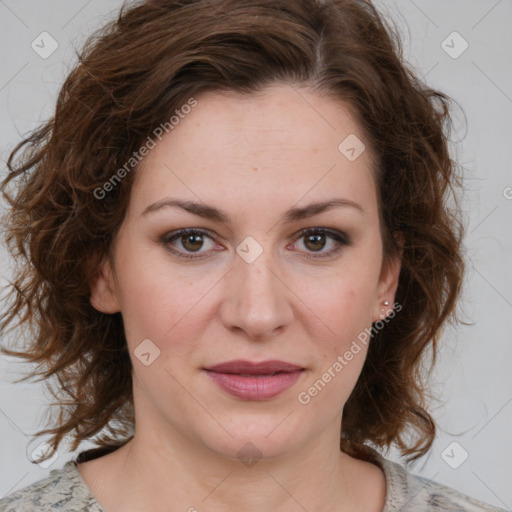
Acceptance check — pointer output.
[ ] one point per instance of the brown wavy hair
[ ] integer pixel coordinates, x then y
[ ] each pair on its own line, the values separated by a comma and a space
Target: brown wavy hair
131, 76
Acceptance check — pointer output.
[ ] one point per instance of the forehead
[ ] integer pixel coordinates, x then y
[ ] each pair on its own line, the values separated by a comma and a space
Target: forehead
280, 144
280, 117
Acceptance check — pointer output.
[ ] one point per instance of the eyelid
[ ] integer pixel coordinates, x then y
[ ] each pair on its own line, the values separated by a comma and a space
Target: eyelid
344, 237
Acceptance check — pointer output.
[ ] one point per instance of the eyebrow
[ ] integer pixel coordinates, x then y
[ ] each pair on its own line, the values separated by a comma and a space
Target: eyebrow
212, 213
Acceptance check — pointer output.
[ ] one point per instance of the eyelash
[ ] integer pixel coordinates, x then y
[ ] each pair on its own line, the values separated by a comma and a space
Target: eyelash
341, 238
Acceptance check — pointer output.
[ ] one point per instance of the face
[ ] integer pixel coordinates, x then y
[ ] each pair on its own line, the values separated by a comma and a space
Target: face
261, 275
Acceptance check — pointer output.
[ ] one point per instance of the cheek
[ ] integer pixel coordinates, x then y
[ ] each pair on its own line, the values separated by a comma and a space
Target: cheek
157, 301
145, 296
345, 302
346, 308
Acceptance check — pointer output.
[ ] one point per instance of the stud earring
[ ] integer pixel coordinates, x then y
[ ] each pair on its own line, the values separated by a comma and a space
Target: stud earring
383, 311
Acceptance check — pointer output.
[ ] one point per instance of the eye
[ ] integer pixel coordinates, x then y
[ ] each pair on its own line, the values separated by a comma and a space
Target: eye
191, 241
316, 239
188, 243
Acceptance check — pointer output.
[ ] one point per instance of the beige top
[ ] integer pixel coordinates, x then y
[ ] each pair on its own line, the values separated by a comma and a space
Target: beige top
65, 491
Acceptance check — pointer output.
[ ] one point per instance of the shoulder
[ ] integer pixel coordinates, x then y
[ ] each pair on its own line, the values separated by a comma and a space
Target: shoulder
63, 490
407, 492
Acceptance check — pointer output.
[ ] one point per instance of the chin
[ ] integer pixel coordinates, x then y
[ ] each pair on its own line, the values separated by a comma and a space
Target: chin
249, 451
252, 440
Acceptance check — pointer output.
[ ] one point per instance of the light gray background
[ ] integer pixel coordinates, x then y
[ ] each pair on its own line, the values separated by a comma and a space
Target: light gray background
473, 376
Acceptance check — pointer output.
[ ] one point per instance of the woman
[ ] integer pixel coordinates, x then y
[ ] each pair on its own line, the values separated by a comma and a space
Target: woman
239, 248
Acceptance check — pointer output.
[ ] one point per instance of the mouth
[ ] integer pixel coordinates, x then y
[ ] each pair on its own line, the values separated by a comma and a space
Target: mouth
249, 380
250, 368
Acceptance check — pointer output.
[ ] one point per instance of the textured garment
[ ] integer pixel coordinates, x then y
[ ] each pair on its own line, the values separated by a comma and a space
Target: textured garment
64, 490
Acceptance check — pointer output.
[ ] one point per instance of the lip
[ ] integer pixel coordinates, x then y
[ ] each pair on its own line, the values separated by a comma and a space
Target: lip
250, 380
241, 366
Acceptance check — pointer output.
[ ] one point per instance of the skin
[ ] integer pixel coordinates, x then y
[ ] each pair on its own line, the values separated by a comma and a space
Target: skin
253, 157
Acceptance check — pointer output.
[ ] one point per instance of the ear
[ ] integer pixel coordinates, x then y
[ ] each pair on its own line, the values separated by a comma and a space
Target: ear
388, 282
103, 289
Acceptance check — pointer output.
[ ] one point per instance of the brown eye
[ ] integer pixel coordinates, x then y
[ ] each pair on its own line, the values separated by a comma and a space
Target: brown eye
192, 242
315, 242
189, 243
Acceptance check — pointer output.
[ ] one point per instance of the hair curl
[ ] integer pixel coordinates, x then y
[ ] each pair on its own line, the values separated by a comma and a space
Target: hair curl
130, 76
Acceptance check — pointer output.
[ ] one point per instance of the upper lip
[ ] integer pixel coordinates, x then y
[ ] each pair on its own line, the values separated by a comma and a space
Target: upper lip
240, 366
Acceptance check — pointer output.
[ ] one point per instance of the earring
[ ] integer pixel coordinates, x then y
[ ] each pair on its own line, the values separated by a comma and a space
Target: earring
383, 311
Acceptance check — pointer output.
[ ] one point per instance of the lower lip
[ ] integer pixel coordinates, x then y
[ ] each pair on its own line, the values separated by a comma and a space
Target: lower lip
257, 387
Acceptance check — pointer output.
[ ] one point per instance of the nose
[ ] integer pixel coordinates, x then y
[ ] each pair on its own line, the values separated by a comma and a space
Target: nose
256, 299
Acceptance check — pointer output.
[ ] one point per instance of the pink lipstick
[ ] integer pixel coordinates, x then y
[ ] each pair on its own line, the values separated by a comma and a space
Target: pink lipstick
254, 381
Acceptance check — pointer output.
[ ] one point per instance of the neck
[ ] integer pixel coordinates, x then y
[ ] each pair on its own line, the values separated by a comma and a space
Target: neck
194, 478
